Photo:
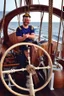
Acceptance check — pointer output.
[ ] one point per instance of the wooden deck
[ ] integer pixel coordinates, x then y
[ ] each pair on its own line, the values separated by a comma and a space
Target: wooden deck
45, 92
56, 92
48, 92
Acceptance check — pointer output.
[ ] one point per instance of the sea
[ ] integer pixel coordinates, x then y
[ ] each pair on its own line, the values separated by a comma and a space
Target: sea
44, 30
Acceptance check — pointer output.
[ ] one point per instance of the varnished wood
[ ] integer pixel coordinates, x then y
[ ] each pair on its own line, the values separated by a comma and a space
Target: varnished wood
11, 65
21, 10
44, 92
59, 79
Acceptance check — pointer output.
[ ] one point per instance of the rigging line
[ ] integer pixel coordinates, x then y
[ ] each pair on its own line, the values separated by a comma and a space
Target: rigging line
4, 8
62, 52
41, 19
25, 3
63, 24
20, 3
18, 16
28, 3
39, 1
16, 4
42, 15
39, 4
59, 29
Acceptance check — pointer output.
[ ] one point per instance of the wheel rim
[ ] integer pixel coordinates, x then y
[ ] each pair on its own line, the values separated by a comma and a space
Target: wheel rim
2, 60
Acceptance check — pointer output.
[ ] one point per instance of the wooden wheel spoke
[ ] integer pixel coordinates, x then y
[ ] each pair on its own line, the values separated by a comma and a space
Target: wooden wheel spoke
30, 69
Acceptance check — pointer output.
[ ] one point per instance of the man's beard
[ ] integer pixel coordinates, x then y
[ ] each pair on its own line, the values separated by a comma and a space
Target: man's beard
25, 23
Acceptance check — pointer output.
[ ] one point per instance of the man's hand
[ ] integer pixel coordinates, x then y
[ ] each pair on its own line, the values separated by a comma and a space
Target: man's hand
30, 36
25, 36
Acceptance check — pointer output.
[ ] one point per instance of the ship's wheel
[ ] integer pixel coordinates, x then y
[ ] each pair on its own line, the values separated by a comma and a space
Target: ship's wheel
8, 72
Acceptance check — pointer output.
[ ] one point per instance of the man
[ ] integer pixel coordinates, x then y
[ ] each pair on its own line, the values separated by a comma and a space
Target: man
25, 33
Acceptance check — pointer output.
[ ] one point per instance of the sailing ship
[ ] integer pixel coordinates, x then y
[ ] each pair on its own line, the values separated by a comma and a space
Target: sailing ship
46, 64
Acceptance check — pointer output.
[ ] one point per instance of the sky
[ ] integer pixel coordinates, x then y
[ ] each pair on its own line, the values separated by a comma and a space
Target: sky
10, 5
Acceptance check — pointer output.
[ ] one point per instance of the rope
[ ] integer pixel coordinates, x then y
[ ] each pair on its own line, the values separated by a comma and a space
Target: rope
41, 19
20, 3
62, 53
25, 5
3, 20
38, 1
28, 2
42, 15
59, 29
18, 16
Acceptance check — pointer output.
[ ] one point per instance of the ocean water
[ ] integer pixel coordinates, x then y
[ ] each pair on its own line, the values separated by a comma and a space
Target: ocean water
44, 30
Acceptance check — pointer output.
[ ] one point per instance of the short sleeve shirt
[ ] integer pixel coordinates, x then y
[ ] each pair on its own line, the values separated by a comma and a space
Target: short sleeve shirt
20, 31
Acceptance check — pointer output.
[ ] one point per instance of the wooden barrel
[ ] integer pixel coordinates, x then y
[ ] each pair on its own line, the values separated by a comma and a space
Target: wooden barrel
58, 79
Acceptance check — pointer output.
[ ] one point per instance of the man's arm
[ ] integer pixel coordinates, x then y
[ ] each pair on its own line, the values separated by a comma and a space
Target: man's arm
20, 38
25, 36
30, 36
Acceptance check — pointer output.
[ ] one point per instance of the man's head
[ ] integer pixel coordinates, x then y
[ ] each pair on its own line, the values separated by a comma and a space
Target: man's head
26, 19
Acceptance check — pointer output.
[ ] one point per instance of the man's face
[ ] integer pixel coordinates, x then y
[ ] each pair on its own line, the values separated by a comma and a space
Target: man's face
26, 20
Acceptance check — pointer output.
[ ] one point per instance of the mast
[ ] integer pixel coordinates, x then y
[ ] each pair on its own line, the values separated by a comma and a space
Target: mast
50, 26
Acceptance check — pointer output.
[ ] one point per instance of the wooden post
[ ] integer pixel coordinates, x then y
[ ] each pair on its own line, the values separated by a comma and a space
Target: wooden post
50, 26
